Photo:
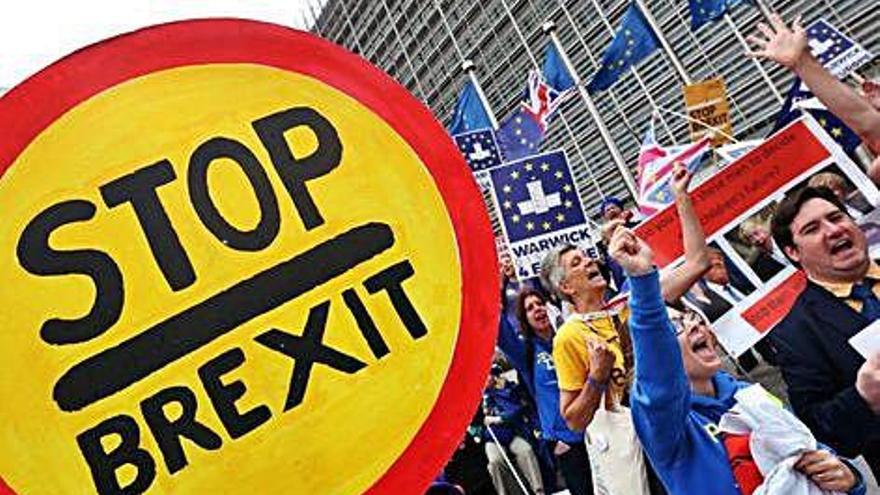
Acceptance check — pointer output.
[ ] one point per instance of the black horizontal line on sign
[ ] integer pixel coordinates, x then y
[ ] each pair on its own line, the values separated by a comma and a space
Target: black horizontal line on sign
118, 367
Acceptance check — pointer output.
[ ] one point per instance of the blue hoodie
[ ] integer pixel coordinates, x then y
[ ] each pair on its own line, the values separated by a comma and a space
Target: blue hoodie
677, 428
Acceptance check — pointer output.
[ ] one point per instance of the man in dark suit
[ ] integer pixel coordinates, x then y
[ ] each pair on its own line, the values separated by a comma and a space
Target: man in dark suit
767, 259
832, 388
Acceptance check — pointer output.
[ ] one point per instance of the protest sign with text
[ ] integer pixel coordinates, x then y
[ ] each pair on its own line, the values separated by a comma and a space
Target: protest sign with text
706, 102
734, 208
540, 208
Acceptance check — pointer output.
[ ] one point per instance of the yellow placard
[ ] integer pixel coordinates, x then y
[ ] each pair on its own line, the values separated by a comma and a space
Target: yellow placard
706, 102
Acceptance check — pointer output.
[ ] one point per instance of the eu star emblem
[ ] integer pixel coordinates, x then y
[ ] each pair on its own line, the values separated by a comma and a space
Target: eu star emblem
479, 149
537, 195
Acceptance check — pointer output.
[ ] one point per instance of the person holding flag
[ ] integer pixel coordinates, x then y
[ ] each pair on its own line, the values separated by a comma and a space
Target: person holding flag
789, 48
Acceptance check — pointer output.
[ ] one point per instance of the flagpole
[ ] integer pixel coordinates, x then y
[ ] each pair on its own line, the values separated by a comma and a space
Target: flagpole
682, 73
403, 50
612, 148
635, 73
468, 67
755, 61
596, 66
550, 29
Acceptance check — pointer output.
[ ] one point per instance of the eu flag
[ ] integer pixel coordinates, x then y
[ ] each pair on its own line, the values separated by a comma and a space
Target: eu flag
554, 70
703, 11
633, 41
470, 114
801, 98
519, 135
536, 195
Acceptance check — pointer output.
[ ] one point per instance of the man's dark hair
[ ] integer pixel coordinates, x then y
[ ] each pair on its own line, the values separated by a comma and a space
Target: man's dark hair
789, 207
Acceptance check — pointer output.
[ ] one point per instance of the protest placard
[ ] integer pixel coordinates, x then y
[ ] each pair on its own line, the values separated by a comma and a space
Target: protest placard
540, 208
839, 54
756, 285
706, 102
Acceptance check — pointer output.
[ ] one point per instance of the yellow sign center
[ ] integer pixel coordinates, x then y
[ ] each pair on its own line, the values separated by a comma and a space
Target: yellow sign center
235, 276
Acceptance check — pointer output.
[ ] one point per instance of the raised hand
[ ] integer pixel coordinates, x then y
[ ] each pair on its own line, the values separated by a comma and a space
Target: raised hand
609, 227
681, 179
632, 253
782, 45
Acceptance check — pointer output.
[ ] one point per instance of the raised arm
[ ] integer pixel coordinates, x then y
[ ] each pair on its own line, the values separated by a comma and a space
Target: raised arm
677, 282
660, 398
788, 47
509, 340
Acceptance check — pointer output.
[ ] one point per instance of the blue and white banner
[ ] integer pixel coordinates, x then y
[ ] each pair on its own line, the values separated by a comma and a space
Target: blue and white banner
837, 52
479, 148
540, 208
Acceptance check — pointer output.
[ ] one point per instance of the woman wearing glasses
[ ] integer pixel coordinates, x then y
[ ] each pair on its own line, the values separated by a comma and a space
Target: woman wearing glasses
680, 393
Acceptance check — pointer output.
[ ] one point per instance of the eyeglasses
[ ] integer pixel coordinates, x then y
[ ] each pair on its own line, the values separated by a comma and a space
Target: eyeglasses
686, 321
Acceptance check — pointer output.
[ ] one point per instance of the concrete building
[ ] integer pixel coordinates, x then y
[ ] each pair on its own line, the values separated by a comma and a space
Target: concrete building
408, 39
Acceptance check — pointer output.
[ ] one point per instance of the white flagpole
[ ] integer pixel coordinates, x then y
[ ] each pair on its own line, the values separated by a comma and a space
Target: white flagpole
755, 61
682, 73
600, 124
468, 67
635, 73
406, 58
550, 29
510, 465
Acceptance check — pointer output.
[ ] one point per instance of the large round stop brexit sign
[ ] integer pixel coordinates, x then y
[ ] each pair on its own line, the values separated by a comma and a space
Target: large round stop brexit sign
236, 258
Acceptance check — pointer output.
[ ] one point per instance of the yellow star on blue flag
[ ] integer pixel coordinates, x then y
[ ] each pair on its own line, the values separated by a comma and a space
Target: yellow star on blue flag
633, 41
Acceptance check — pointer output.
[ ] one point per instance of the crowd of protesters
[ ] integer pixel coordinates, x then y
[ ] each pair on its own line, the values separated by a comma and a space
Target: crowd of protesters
615, 379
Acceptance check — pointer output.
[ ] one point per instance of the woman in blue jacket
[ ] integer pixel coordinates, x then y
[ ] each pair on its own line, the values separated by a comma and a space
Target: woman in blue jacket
680, 392
530, 351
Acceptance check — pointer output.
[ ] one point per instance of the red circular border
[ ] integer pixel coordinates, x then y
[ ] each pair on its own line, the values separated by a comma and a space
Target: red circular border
33, 105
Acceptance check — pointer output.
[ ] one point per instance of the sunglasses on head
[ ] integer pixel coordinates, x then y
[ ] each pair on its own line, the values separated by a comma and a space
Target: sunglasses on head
686, 321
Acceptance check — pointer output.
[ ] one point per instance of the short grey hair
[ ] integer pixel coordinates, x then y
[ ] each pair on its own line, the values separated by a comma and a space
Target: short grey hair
552, 271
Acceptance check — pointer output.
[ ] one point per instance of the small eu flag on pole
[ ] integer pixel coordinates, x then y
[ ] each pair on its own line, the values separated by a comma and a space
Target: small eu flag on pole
633, 42
704, 11
554, 70
470, 114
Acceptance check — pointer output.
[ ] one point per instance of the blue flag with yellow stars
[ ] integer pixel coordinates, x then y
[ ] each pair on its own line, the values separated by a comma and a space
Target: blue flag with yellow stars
704, 11
479, 149
801, 99
470, 114
519, 135
633, 41
536, 196
554, 70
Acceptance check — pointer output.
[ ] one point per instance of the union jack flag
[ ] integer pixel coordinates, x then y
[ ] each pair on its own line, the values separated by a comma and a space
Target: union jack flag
655, 168
522, 132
